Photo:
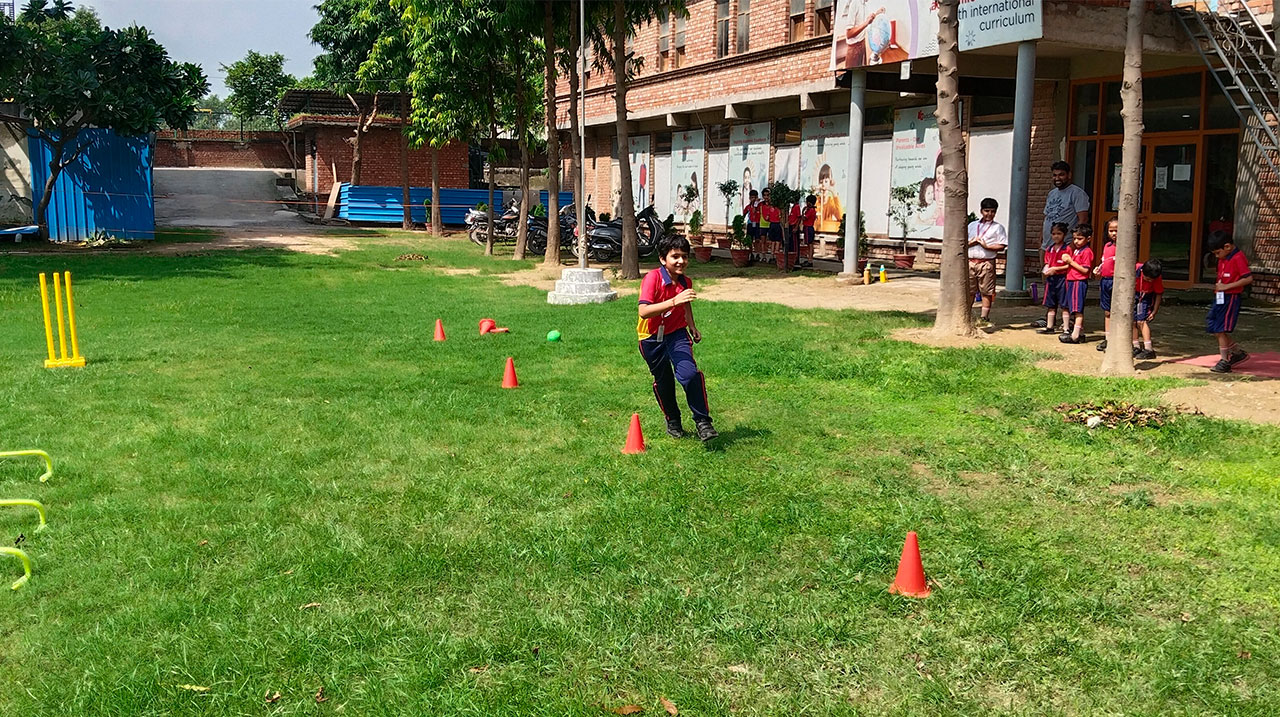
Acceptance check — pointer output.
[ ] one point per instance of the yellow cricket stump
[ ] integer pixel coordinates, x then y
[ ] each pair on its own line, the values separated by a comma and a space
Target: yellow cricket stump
26, 565
60, 359
48, 462
23, 502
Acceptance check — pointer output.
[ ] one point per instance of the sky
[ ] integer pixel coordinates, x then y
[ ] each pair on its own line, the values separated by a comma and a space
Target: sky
212, 33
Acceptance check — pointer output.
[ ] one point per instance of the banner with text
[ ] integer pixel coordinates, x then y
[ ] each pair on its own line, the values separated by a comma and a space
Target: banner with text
824, 166
686, 171
915, 175
641, 182
986, 23
749, 160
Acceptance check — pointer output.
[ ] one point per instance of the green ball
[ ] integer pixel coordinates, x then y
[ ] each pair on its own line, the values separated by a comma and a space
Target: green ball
553, 335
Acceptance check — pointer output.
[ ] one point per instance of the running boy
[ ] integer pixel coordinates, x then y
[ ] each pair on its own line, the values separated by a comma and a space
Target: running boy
1079, 262
1106, 270
1233, 276
1147, 293
667, 335
1055, 280
987, 238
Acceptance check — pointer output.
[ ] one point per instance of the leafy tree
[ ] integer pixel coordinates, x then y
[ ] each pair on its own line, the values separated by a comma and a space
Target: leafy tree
954, 300
37, 11
257, 82
69, 73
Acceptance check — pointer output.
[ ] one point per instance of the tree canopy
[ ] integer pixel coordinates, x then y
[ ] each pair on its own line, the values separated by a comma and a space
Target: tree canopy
257, 83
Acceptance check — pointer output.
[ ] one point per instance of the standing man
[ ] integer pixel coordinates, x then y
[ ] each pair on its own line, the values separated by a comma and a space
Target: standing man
1066, 202
987, 238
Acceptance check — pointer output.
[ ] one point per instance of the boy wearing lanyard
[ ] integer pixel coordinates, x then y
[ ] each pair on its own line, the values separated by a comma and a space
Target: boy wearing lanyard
987, 238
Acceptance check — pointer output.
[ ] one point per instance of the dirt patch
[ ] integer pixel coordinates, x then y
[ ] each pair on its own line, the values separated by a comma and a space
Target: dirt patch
244, 238
1139, 493
912, 294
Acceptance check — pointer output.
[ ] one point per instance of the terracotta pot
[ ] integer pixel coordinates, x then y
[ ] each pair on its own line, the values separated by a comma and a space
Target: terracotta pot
862, 264
702, 253
741, 257
781, 258
723, 243
904, 261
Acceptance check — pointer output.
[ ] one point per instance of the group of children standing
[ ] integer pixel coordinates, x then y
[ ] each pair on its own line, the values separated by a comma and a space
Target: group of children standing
765, 221
1068, 268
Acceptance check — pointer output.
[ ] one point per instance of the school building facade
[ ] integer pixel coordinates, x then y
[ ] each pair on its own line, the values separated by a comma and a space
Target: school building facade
755, 77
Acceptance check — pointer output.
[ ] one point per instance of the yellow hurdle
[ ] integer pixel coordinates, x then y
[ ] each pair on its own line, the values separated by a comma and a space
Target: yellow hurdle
60, 359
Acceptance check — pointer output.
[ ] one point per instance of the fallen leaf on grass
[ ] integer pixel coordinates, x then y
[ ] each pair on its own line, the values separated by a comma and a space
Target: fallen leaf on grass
1186, 617
320, 695
194, 688
202, 543
272, 699
627, 710
669, 706
478, 669
740, 669
309, 605
287, 572
1244, 654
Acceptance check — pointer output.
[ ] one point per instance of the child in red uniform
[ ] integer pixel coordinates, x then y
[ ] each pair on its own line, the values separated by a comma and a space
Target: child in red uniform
1079, 262
810, 217
1233, 276
1055, 281
1106, 270
1147, 293
752, 214
771, 225
667, 335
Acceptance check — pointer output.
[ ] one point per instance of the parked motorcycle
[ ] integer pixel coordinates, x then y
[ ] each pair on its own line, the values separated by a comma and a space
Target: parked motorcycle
604, 239
537, 235
504, 226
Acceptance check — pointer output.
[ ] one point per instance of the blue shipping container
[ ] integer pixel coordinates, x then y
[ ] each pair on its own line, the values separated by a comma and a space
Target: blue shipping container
108, 187
384, 204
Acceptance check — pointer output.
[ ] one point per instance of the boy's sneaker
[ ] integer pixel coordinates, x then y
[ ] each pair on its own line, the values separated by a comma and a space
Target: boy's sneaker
1046, 330
1137, 350
1069, 339
1238, 356
675, 430
1102, 345
982, 323
1039, 324
1145, 355
1223, 366
706, 431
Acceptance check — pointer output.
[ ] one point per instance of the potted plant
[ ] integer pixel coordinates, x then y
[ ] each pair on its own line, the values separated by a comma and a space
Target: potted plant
693, 228
740, 249
902, 206
728, 189
782, 197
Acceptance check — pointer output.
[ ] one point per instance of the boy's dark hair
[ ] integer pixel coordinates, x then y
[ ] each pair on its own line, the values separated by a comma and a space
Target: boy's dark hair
1083, 230
1152, 269
669, 242
989, 203
753, 193
1060, 226
811, 199
1059, 165
1218, 240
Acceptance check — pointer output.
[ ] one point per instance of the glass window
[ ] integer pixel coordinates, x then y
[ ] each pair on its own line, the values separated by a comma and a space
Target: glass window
744, 25
1084, 160
679, 39
1170, 103
822, 20
987, 111
1086, 119
1221, 156
1219, 114
722, 28
1173, 191
1171, 244
786, 130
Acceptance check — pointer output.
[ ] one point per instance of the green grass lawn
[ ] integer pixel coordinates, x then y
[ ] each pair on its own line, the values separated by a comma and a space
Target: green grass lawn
258, 432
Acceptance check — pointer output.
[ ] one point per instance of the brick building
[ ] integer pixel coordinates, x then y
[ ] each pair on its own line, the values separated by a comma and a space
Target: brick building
763, 67
325, 124
222, 148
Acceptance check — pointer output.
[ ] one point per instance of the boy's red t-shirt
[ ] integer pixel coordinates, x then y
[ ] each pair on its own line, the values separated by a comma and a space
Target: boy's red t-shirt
657, 287
1148, 286
810, 216
1053, 255
793, 217
1233, 267
752, 210
771, 214
1107, 269
1084, 257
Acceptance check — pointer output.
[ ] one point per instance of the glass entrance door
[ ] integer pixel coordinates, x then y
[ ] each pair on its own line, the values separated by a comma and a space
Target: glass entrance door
1168, 208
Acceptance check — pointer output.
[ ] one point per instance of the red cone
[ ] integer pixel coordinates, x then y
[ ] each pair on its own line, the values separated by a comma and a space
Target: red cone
509, 378
487, 325
635, 437
910, 580
439, 330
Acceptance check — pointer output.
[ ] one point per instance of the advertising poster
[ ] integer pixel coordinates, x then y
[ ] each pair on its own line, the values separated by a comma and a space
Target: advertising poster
749, 159
916, 179
986, 23
883, 32
641, 172
824, 166
686, 171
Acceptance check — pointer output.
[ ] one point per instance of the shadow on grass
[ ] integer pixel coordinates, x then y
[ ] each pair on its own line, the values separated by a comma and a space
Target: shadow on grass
733, 435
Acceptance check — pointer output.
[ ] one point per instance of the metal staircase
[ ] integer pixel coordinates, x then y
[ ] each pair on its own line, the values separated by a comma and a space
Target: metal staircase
1239, 53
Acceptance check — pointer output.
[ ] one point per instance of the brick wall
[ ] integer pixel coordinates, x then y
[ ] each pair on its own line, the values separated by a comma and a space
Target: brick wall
380, 160
1044, 152
221, 148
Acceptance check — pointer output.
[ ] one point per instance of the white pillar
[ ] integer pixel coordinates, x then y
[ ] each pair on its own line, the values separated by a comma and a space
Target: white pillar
1019, 180
853, 203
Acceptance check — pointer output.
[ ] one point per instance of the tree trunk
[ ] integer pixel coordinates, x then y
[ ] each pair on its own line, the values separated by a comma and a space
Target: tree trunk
1119, 358
42, 209
522, 141
357, 158
626, 202
436, 227
552, 257
575, 149
407, 222
493, 185
954, 298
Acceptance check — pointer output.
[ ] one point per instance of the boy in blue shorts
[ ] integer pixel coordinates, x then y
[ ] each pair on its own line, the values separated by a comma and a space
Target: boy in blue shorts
1233, 276
1055, 280
667, 335
1079, 262
1106, 271
1147, 293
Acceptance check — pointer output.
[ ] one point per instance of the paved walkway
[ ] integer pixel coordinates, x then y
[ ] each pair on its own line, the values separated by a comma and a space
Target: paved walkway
224, 198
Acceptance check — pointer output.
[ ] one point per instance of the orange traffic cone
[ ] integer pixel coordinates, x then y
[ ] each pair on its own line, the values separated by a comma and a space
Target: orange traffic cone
439, 330
487, 326
910, 580
509, 378
635, 437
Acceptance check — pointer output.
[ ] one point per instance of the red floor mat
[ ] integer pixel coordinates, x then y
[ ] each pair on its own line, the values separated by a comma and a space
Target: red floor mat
1265, 365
